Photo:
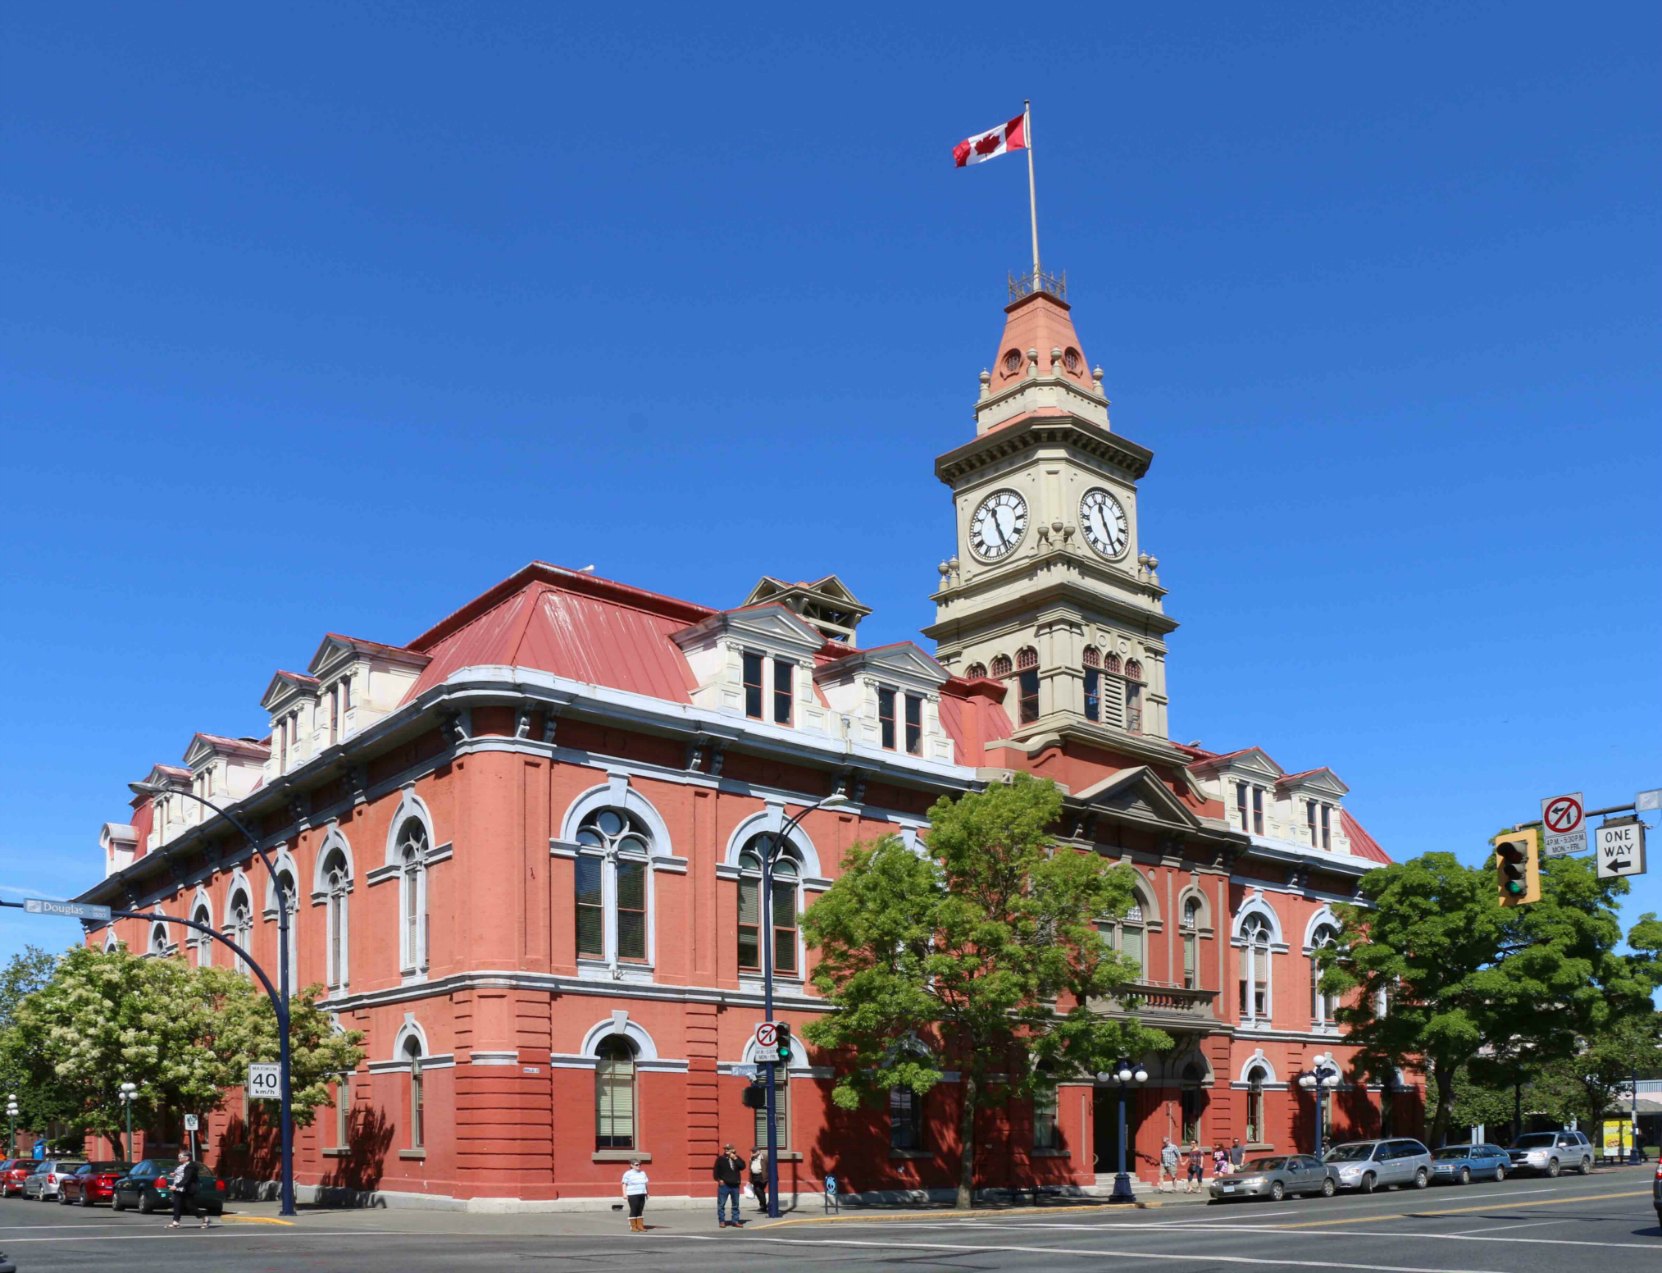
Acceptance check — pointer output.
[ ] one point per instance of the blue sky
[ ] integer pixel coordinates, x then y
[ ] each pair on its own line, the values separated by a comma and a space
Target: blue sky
327, 318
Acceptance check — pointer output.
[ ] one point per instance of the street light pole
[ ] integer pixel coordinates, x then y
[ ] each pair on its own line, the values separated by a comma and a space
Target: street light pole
780, 839
1123, 1074
129, 1094
281, 1004
12, 1113
1320, 1079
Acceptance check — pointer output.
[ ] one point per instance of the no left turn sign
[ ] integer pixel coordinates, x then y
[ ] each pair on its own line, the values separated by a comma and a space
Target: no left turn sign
1563, 814
1564, 822
767, 1035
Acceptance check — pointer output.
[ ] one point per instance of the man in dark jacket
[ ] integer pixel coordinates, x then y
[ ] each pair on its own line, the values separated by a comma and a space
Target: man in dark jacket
729, 1171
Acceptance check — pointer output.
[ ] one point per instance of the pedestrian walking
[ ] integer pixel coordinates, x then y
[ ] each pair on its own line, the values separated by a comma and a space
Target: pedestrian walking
182, 1181
1237, 1155
1168, 1165
1197, 1168
1220, 1161
759, 1178
634, 1193
729, 1174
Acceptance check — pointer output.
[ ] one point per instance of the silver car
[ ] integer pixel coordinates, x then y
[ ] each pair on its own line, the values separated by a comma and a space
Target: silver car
1552, 1152
43, 1184
1381, 1164
1276, 1178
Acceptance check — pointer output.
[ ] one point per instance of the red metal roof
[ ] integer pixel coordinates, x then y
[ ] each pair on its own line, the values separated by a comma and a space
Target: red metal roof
1362, 844
972, 714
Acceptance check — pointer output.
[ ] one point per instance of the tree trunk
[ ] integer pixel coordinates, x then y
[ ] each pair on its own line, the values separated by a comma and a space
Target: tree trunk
1445, 1105
966, 1139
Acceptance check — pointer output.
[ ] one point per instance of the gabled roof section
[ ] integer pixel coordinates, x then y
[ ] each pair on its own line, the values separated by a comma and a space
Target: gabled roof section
1255, 759
1320, 779
826, 603
1362, 844
172, 775
203, 745
902, 660
772, 624
1137, 793
285, 685
336, 647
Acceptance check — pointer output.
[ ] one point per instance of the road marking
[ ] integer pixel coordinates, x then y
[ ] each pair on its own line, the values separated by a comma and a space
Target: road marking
1494, 1228
165, 1236
255, 1220
1113, 1253
1458, 1211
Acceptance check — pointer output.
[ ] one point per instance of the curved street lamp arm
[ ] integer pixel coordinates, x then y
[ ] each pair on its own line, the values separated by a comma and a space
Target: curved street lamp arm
260, 851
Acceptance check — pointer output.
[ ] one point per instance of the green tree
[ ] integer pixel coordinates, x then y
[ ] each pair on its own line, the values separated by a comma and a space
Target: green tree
1423, 942
1591, 1083
988, 943
183, 1034
25, 973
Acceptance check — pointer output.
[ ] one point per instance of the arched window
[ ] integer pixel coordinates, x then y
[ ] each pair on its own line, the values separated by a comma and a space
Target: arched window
1190, 928
337, 882
1255, 1128
1322, 1005
614, 1094
1255, 970
418, 1093
412, 896
1027, 685
202, 946
613, 857
906, 1122
288, 895
239, 923
1134, 696
1001, 665
975, 670
158, 940
787, 885
1113, 666
1093, 683
1128, 934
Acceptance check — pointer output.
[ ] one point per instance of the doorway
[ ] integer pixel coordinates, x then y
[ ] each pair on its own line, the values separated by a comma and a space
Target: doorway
1105, 1111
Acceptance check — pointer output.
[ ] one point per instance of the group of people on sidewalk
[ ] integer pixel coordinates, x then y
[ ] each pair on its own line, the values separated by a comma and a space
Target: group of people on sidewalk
729, 1172
1193, 1162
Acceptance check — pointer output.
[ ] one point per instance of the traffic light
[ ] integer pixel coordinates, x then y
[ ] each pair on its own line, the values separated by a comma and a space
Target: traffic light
782, 1038
756, 1095
1517, 868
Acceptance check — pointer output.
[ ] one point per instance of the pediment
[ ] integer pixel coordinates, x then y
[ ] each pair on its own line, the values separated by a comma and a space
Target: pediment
1322, 780
902, 661
1136, 793
284, 686
770, 625
1254, 761
336, 649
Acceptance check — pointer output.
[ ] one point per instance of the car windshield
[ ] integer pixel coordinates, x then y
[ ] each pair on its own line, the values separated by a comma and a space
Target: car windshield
1350, 1153
1535, 1140
1455, 1151
1265, 1164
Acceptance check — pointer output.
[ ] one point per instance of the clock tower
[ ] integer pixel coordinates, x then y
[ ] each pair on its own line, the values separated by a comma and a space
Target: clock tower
1049, 588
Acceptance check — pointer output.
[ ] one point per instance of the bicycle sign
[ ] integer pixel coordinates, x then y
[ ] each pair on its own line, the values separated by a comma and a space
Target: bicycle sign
1564, 822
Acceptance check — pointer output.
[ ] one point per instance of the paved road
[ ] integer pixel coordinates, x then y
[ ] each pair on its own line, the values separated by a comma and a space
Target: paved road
1523, 1226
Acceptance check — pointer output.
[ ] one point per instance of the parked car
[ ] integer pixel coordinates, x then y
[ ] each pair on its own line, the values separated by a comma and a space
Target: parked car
1381, 1164
43, 1182
1276, 1178
1462, 1164
1656, 1193
90, 1185
13, 1171
145, 1187
1549, 1153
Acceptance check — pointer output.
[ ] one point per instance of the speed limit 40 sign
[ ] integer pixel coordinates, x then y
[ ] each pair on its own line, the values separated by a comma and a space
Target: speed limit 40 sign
265, 1081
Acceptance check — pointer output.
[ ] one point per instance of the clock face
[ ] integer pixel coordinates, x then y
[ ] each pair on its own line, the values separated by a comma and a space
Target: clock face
1104, 522
998, 525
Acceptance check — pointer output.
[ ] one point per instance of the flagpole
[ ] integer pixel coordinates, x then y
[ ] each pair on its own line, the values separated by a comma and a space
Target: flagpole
1032, 193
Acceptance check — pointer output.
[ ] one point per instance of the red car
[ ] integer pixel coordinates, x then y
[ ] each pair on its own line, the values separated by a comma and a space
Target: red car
90, 1185
12, 1173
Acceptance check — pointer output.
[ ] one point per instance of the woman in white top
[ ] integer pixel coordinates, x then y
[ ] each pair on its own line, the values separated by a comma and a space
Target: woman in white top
634, 1193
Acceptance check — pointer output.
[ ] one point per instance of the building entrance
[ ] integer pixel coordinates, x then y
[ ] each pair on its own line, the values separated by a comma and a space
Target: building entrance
1106, 1119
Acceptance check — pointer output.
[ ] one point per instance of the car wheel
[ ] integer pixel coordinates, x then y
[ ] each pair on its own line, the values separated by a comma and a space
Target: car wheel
116, 1204
1465, 1175
1586, 1166
1278, 1191
1500, 1174
1552, 1170
146, 1206
1421, 1178
86, 1200
1328, 1187
1368, 1183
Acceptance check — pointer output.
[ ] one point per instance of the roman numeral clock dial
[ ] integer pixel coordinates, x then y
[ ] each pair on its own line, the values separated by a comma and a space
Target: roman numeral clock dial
1104, 522
998, 524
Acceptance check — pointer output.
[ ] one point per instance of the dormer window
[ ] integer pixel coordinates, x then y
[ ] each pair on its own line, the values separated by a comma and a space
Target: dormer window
885, 717
889, 726
1249, 805
914, 725
756, 688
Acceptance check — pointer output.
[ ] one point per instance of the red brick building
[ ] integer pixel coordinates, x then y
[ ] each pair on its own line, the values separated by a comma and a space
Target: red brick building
523, 847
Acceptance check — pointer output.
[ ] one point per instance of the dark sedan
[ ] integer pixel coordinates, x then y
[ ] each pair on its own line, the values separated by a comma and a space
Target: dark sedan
91, 1184
146, 1188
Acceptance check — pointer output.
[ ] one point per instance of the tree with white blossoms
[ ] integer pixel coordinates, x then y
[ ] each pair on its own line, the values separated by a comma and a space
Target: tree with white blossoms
183, 1034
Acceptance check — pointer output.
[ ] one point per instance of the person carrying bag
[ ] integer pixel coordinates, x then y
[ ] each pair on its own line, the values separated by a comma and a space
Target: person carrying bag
183, 1183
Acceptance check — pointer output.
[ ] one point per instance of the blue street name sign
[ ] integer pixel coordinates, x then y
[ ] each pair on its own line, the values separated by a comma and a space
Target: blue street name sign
73, 910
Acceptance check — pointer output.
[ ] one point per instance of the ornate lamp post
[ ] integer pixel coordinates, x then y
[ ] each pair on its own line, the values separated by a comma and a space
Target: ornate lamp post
1321, 1078
129, 1094
281, 1003
1124, 1074
12, 1112
781, 838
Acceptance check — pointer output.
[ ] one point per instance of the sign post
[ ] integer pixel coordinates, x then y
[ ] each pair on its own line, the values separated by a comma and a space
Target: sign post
1621, 849
191, 1124
1563, 825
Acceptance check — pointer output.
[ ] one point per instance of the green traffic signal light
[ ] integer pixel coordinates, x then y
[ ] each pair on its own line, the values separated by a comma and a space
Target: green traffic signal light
782, 1040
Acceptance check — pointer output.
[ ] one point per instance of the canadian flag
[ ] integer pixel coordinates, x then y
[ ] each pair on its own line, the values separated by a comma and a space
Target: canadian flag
992, 143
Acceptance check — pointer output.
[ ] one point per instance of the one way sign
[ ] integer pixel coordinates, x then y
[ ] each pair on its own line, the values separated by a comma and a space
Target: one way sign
1621, 849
